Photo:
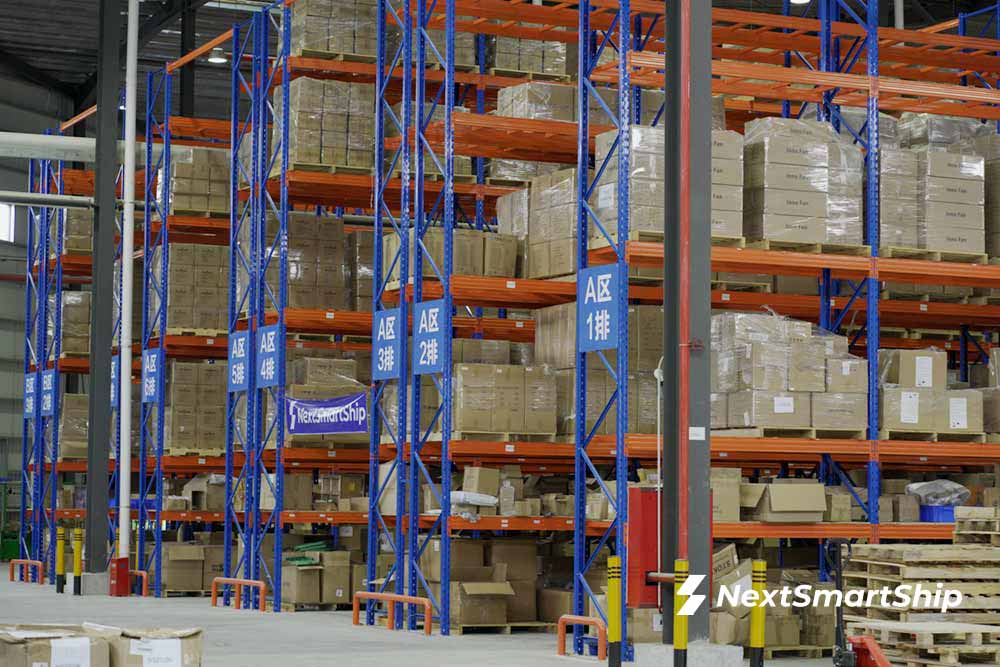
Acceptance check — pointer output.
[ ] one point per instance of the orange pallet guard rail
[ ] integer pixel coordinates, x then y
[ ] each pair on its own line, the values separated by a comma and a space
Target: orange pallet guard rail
393, 597
602, 633
239, 584
144, 576
26, 563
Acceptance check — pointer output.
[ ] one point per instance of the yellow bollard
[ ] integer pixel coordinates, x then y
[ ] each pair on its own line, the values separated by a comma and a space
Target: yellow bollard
60, 559
681, 570
78, 561
614, 600
758, 615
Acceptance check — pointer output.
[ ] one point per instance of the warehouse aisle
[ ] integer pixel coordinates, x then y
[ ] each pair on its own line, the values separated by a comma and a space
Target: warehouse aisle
241, 639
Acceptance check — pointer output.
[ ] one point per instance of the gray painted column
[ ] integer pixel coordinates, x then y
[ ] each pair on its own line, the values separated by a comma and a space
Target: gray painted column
698, 338
102, 299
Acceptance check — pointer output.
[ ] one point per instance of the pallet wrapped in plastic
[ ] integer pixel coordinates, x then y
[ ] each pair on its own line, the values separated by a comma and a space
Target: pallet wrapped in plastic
199, 180
334, 27
919, 130
431, 113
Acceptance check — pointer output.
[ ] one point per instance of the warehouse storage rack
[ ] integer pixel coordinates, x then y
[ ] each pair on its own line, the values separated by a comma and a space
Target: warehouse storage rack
40, 431
830, 82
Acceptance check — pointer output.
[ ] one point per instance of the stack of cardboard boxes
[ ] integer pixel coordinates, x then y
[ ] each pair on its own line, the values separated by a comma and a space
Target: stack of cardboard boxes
78, 226
786, 178
557, 324
773, 372
199, 181
194, 418
645, 182
75, 322
529, 56
74, 420
340, 493
503, 398
552, 225
950, 201
321, 27
197, 288
318, 262
915, 396
727, 184
330, 123
431, 112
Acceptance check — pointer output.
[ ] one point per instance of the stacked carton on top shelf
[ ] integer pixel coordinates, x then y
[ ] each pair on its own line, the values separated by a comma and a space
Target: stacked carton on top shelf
727, 184
197, 287
950, 204
327, 27
199, 181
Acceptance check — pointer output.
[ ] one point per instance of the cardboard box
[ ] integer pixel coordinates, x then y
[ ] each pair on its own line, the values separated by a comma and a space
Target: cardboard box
477, 602
766, 408
336, 582
807, 365
781, 631
724, 561
206, 493
520, 557
735, 581
522, 606
183, 566
214, 564
907, 409
554, 603
481, 480
720, 410
724, 628
784, 502
922, 369
725, 486
301, 585
840, 411
960, 411
133, 647
847, 375
905, 509
838, 508
37, 647
464, 554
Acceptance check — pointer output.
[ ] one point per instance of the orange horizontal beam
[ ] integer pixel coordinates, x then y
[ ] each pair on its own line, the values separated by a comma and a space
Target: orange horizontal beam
516, 292
201, 128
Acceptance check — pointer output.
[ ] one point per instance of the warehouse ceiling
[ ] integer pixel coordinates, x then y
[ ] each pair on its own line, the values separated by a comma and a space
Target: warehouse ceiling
54, 42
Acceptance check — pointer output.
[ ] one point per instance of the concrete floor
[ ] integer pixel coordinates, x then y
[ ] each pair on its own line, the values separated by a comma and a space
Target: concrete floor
308, 639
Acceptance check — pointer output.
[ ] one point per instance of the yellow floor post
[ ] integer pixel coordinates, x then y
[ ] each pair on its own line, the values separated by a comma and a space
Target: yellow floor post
681, 569
758, 615
78, 561
60, 559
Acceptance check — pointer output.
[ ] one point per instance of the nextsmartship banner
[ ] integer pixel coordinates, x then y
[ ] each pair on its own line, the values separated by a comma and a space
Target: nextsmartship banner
346, 414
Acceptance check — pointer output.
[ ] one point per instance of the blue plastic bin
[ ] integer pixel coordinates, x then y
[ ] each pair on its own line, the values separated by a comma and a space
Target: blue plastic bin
937, 514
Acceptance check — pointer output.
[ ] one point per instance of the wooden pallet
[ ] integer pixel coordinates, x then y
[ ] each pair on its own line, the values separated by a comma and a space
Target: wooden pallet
790, 246
977, 525
301, 606
207, 333
930, 436
926, 643
73, 355
729, 241
739, 286
528, 76
846, 249
201, 213
647, 236
934, 255
812, 652
335, 55
503, 629
497, 436
507, 182
776, 432
330, 168
201, 452
924, 296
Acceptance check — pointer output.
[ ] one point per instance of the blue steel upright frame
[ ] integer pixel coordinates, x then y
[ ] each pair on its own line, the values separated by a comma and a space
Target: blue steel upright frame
441, 214
154, 324
42, 346
618, 38
266, 377
390, 65
244, 130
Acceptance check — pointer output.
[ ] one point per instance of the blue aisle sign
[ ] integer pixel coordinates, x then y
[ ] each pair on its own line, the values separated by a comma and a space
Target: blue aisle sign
150, 375
267, 356
29, 395
387, 344
428, 337
114, 381
597, 310
346, 414
50, 381
238, 360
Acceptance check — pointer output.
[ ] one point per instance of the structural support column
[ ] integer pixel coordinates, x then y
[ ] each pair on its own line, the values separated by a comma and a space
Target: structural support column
687, 510
106, 170
188, 31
